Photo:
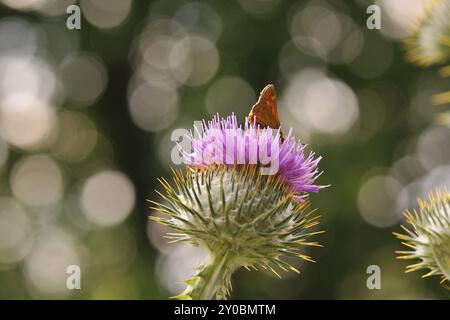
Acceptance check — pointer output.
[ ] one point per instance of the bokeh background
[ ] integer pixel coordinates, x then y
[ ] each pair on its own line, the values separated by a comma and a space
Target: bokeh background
86, 118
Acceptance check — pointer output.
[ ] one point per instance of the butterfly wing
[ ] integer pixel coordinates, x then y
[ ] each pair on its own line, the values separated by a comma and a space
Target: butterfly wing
264, 112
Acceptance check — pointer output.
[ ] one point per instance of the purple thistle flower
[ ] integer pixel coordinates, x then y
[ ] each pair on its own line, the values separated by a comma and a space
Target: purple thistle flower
223, 202
222, 141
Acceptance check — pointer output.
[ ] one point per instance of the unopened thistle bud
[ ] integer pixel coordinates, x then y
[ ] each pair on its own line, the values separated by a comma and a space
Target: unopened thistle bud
429, 43
428, 236
245, 216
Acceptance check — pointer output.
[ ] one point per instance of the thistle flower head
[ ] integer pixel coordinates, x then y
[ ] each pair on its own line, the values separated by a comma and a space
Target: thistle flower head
227, 202
223, 141
428, 236
430, 41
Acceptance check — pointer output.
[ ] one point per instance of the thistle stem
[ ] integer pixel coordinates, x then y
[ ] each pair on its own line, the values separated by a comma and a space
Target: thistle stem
211, 281
214, 280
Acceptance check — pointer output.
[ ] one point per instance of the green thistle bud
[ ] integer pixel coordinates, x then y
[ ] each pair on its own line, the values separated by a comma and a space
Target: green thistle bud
430, 41
430, 44
428, 236
243, 218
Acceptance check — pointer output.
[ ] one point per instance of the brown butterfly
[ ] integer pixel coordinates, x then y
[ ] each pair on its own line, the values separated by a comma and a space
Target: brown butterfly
264, 112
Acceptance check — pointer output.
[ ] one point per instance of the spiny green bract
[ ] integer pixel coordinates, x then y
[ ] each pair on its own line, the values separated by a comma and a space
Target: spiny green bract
239, 213
428, 236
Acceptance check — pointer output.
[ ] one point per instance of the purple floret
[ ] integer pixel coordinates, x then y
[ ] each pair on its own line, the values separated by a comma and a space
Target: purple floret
223, 141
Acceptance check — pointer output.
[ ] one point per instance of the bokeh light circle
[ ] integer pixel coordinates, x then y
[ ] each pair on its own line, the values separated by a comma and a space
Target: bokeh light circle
45, 267
15, 227
321, 104
377, 201
37, 180
106, 14
84, 77
230, 93
194, 60
152, 107
107, 198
